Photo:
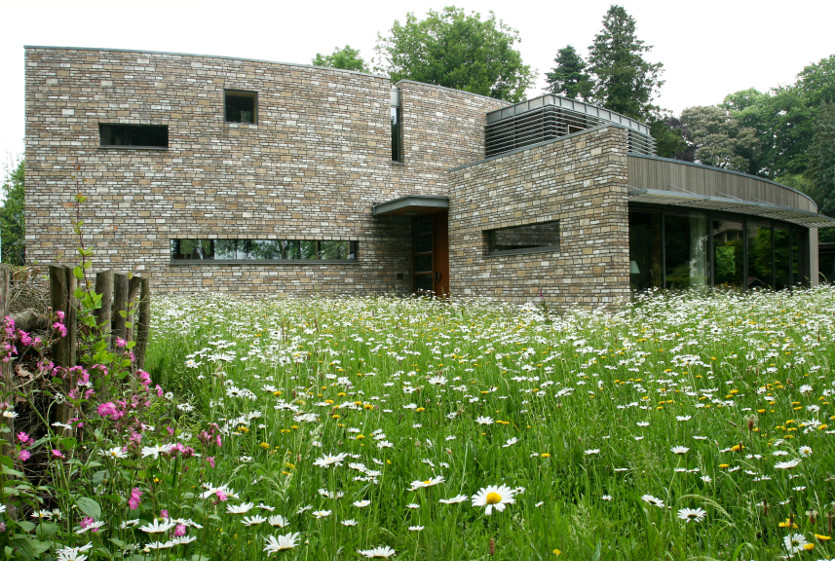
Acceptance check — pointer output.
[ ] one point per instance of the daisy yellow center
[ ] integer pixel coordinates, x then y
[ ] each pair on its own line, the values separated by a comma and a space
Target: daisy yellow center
493, 498
427, 482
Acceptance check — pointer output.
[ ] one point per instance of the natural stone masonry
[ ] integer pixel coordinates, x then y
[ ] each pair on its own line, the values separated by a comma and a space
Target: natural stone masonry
311, 167
318, 156
580, 180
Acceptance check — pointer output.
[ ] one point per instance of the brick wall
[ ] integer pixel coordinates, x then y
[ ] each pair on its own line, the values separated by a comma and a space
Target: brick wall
317, 159
580, 180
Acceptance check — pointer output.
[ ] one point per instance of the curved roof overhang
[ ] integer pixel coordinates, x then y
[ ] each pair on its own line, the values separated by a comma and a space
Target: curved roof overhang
411, 205
729, 204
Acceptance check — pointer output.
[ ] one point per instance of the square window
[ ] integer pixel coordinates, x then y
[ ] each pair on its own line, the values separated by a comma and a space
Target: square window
240, 107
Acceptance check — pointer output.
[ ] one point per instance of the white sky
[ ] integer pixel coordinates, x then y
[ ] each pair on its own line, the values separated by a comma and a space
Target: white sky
709, 48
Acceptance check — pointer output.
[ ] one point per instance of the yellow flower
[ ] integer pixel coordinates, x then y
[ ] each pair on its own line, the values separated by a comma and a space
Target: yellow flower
822, 538
557, 552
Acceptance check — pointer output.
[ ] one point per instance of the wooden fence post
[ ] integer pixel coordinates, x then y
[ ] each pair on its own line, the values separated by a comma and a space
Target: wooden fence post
6, 367
104, 286
143, 322
62, 288
120, 304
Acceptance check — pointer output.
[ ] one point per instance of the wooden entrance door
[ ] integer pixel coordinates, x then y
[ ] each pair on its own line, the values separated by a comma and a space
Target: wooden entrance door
430, 254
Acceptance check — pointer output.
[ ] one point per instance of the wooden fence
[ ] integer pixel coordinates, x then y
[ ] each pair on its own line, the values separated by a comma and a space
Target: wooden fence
125, 313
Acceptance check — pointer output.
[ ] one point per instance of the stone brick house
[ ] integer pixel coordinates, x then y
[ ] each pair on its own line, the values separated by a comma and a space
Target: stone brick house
217, 174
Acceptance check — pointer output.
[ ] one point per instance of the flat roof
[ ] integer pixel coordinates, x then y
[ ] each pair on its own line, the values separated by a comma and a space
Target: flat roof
411, 205
728, 204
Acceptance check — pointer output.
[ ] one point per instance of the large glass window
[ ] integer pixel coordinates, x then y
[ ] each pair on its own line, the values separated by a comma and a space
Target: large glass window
760, 253
645, 256
728, 254
670, 249
263, 250
685, 249
782, 256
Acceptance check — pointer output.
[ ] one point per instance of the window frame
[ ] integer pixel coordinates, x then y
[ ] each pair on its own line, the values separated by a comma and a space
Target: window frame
212, 247
240, 94
490, 238
128, 128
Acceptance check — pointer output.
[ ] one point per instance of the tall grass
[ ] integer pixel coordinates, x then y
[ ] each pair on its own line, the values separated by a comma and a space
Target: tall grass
684, 426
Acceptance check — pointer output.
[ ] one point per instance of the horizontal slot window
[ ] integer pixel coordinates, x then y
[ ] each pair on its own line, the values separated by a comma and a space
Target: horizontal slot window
530, 238
133, 136
183, 250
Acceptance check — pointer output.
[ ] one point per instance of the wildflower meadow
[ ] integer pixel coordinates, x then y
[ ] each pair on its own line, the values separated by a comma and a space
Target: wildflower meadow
681, 426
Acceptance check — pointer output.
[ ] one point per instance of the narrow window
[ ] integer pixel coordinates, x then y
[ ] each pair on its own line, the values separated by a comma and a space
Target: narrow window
133, 136
396, 127
240, 107
544, 236
238, 251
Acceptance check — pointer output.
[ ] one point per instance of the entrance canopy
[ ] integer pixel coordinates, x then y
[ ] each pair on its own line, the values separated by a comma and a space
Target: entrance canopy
411, 205
731, 204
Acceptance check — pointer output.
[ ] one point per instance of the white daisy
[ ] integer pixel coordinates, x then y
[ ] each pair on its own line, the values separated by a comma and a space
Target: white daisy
280, 543
649, 499
454, 500
278, 521
692, 514
381, 552
492, 496
158, 526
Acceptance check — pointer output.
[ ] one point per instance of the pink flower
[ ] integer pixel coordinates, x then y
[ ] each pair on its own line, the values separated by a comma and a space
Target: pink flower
60, 315
211, 460
221, 496
135, 498
109, 409
57, 454
24, 455
180, 530
60, 328
121, 342
23, 437
163, 513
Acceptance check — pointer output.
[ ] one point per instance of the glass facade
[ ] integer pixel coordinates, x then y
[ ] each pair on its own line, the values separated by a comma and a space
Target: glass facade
674, 248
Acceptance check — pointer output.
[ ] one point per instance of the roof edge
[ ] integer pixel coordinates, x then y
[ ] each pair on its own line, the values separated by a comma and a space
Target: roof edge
198, 55
748, 175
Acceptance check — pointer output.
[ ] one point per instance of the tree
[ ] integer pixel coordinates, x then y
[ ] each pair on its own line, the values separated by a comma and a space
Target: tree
821, 170
622, 80
345, 58
718, 138
670, 134
569, 76
12, 228
456, 50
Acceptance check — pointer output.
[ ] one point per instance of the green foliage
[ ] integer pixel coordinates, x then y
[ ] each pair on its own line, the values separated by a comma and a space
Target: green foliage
12, 223
822, 159
456, 50
623, 81
718, 137
345, 58
669, 137
569, 77
771, 134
